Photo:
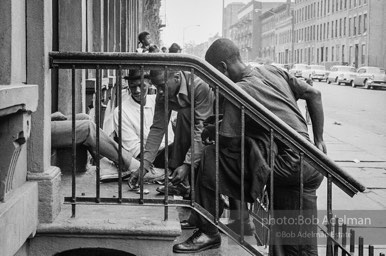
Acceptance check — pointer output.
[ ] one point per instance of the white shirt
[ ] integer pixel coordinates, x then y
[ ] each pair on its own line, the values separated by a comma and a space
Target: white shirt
131, 124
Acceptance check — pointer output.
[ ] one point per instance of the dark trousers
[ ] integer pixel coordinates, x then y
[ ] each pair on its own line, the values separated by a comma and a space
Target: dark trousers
182, 140
286, 201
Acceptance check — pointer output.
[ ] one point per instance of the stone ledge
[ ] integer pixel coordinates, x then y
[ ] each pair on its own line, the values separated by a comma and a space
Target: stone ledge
18, 97
18, 218
139, 222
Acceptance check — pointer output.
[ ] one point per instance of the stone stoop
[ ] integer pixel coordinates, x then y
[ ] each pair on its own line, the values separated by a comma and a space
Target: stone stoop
138, 230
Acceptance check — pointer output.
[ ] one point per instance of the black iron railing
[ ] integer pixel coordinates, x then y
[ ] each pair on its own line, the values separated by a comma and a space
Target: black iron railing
278, 130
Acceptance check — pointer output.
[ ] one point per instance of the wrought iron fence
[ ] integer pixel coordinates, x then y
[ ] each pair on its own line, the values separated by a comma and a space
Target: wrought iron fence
278, 130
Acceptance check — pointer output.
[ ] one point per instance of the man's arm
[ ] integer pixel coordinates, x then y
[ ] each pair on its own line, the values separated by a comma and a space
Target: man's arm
313, 98
157, 132
203, 108
130, 139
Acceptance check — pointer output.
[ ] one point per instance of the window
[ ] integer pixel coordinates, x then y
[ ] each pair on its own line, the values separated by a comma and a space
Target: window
364, 23
344, 25
355, 3
332, 53
349, 26
355, 26
342, 53
349, 4
349, 55
324, 31
317, 32
332, 6
314, 34
326, 53
345, 4
317, 55
336, 28
359, 24
317, 11
363, 53
337, 53
332, 29
328, 29
340, 27
325, 7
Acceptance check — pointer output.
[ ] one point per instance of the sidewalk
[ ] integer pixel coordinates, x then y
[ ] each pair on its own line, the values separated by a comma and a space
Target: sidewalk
362, 155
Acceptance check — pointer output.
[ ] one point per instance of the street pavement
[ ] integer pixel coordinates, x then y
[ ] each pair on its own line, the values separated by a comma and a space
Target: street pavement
361, 152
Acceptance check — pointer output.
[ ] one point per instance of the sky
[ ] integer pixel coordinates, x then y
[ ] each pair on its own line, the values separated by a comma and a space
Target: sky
192, 20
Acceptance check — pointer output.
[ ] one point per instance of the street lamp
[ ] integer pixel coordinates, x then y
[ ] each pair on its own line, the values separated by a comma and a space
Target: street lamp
184, 30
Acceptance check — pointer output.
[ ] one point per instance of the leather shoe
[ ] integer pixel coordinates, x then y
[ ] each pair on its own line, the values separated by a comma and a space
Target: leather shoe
178, 190
235, 225
186, 225
198, 242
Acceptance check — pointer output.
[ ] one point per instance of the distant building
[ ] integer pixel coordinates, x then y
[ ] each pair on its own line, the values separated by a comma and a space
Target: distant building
246, 30
326, 32
277, 31
340, 32
230, 17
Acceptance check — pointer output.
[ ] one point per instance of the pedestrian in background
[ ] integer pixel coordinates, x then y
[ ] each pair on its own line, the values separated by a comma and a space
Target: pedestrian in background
175, 48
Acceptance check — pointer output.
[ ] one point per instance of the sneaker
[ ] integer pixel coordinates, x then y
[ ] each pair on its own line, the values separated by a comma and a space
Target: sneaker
175, 190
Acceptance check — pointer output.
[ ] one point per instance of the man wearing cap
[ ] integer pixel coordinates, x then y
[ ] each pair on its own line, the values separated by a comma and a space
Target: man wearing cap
131, 116
175, 48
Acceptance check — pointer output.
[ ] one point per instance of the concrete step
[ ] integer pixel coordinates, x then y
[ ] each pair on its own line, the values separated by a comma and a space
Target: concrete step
138, 230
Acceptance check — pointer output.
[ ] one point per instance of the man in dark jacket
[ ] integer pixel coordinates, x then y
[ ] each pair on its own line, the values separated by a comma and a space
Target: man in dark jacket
278, 92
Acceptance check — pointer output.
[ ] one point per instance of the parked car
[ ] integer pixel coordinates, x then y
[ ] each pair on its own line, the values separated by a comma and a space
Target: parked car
370, 77
316, 72
341, 74
297, 70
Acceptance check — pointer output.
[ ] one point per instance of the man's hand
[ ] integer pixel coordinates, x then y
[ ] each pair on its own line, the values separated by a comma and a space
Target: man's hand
180, 174
57, 116
321, 146
133, 181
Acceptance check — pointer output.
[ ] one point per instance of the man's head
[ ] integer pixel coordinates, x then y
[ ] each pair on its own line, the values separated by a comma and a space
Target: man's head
153, 48
144, 38
175, 48
173, 80
164, 49
134, 83
224, 55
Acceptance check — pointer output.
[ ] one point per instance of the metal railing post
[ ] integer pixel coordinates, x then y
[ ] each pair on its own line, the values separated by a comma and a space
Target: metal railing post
166, 113
73, 122
119, 89
98, 122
